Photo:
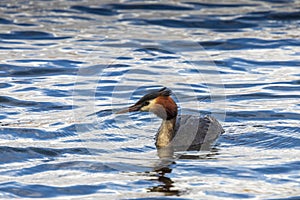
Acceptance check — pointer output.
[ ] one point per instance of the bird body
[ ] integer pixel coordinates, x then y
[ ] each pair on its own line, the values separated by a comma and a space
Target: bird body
191, 132
184, 132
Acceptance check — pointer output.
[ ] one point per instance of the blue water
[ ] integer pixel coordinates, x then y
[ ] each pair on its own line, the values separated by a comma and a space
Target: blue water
65, 66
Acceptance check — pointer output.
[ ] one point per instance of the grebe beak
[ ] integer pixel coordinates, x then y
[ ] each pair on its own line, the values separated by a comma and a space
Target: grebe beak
135, 107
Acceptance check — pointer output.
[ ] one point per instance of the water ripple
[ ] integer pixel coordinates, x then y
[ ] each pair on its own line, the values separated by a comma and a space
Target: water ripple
30, 35
97, 11
248, 43
216, 25
45, 191
149, 6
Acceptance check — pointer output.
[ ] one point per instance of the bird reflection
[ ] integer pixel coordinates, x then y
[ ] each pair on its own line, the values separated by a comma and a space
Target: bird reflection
166, 184
167, 163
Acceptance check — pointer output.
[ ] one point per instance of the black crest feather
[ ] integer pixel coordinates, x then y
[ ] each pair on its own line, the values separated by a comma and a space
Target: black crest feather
152, 95
165, 92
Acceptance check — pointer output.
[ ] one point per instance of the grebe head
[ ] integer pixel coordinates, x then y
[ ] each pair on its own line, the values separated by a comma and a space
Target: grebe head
158, 102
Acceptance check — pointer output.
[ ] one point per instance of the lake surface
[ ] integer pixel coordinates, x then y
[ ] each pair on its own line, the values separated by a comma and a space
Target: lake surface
66, 66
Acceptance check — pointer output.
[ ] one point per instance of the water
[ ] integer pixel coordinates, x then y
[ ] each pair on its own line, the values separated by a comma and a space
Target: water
62, 61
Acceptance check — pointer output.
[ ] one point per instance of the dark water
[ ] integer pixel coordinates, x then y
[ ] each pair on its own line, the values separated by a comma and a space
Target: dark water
62, 61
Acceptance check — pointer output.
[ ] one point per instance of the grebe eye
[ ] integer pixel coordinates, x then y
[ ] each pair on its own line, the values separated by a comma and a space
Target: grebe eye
146, 103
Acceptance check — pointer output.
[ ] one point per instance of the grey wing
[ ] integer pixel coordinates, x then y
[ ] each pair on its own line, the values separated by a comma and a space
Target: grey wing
210, 128
194, 131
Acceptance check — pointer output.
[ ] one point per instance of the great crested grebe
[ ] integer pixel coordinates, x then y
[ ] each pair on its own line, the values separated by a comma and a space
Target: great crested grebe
179, 131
